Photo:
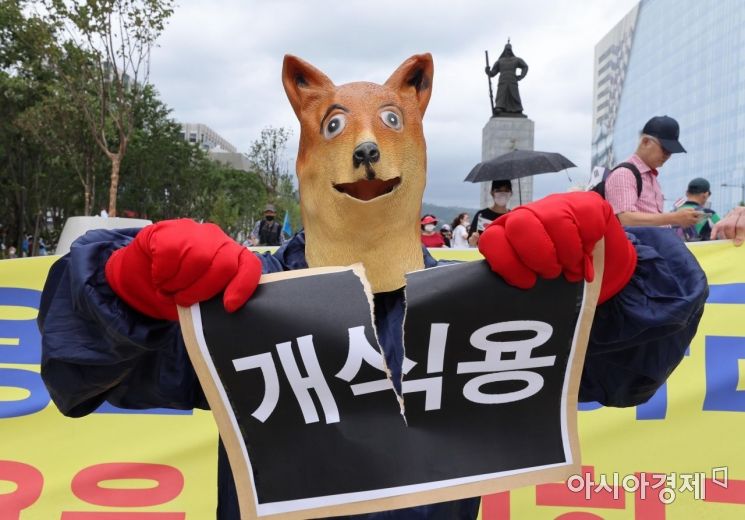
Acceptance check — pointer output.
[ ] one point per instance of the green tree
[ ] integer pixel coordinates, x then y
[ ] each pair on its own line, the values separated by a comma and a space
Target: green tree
166, 177
56, 126
51, 168
236, 200
24, 168
103, 57
160, 166
267, 157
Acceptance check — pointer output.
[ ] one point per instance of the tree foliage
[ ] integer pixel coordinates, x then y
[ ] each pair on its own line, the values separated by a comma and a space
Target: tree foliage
51, 167
268, 160
267, 157
102, 55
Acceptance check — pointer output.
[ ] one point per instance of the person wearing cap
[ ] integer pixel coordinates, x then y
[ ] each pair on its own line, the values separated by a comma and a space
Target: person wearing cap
267, 231
501, 192
658, 141
430, 237
447, 234
697, 195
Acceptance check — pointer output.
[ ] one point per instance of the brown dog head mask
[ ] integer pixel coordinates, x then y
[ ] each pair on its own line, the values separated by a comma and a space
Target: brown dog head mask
361, 167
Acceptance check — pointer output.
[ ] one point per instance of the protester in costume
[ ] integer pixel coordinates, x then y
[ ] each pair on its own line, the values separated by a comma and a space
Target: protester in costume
108, 311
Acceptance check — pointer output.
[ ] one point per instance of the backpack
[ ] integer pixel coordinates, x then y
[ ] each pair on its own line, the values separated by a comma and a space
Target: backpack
269, 233
600, 186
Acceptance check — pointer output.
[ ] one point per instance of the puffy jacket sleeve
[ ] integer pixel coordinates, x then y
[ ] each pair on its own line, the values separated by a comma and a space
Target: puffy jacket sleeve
95, 348
641, 334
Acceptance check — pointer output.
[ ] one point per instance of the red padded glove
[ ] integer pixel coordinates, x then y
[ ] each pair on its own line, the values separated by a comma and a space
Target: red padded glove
556, 235
180, 262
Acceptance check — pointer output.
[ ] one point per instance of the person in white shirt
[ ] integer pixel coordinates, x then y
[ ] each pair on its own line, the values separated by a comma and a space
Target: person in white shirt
460, 231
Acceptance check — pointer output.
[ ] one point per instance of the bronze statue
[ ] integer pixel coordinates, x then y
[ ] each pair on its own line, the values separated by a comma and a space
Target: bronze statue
507, 102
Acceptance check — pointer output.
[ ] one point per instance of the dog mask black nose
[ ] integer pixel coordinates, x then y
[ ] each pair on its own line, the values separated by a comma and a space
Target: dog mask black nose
365, 153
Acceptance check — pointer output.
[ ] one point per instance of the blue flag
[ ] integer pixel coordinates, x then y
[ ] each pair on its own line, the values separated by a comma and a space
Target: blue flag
286, 228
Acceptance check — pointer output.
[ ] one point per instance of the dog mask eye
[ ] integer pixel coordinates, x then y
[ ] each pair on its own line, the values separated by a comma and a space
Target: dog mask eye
391, 119
334, 126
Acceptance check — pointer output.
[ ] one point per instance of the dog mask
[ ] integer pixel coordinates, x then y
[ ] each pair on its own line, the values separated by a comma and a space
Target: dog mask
361, 167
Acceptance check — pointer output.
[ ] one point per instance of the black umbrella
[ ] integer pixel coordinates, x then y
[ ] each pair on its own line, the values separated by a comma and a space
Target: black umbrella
518, 163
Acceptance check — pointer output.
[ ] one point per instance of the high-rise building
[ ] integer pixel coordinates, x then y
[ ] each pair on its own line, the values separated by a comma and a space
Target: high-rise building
684, 59
205, 137
217, 147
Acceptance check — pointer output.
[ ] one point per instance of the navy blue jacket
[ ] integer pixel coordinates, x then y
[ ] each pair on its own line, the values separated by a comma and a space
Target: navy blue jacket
95, 348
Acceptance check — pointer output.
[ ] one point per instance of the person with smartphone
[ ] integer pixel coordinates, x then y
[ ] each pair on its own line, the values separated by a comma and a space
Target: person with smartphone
697, 195
657, 143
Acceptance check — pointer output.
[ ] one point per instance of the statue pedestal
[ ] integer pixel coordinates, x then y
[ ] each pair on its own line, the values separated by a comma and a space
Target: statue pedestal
500, 136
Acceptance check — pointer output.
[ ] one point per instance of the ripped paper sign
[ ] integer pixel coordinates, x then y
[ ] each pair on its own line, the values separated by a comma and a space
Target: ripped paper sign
320, 419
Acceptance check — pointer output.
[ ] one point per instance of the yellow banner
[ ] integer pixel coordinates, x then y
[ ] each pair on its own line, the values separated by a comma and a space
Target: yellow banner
676, 457
680, 455
53, 467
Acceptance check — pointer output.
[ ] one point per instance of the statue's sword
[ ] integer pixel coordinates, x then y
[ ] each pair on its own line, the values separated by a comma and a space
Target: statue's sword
491, 93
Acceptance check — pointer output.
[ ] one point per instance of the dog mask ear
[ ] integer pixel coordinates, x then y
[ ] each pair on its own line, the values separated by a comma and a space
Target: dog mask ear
302, 81
414, 76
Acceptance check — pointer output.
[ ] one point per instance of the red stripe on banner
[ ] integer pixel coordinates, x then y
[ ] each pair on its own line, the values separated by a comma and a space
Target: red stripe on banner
579, 516
95, 515
85, 485
28, 481
729, 492
496, 506
647, 503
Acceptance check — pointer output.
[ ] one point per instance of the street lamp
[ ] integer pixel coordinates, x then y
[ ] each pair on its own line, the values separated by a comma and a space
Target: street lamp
742, 190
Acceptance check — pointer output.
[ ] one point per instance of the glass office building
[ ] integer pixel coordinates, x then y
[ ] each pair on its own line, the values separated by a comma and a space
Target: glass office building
685, 59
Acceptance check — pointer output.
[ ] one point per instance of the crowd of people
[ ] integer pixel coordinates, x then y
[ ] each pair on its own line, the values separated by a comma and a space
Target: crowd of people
632, 189
464, 232
27, 248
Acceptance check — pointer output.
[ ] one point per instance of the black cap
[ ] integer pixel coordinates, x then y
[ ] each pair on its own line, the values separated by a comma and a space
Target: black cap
665, 129
699, 185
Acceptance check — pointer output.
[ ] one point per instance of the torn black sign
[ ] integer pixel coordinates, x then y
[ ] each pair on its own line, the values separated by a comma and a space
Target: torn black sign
314, 425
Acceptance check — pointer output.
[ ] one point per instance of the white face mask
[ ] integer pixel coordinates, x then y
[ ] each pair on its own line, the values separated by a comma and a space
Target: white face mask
466, 223
429, 228
501, 198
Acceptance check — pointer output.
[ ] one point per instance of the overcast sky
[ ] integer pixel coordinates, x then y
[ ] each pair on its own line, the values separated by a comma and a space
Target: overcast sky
219, 63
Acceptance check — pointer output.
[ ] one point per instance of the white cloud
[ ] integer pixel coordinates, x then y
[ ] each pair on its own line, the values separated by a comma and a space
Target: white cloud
219, 63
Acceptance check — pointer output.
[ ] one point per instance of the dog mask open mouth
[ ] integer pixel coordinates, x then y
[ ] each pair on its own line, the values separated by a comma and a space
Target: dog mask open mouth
368, 189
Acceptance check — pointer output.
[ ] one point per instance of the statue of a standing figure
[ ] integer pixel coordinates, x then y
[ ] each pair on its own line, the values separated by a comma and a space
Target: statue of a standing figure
507, 101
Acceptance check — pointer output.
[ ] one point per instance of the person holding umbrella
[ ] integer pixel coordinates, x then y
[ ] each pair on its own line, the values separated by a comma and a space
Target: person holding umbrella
500, 171
501, 192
